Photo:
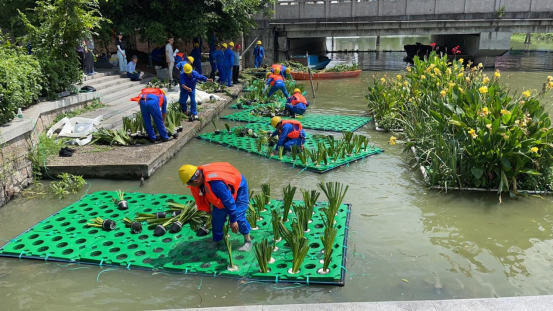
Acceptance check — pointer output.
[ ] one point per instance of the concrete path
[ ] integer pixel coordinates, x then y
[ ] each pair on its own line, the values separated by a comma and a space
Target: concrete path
533, 303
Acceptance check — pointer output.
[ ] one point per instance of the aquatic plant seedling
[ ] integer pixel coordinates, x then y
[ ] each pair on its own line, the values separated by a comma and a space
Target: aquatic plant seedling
106, 224
280, 151
328, 242
297, 242
263, 253
309, 200
135, 226
226, 239
302, 155
275, 220
347, 136
299, 251
295, 149
122, 204
266, 189
288, 193
259, 201
227, 127
252, 217
335, 193
189, 215
302, 216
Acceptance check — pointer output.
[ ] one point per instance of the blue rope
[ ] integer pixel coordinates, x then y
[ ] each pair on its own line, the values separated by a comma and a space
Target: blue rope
46, 258
129, 266
186, 271
106, 270
21, 255
201, 282
101, 262
307, 279
276, 278
344, 269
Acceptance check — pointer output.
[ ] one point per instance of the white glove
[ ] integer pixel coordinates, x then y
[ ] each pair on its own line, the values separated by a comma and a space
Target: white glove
176, 51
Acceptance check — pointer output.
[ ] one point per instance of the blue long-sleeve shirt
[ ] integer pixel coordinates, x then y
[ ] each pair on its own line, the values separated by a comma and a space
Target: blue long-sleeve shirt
191, 80
197, 56
154, 100
131, 67
180, 66
221, 191
293, 97
258, 51
218, 56
212, 48
229, 58
283, 135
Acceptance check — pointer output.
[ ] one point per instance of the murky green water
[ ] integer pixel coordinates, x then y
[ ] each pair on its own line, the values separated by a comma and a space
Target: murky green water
455, 245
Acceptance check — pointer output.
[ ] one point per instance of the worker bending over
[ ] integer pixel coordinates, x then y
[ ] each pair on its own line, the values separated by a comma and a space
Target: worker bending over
284, 71
297, 104
188, 80
276, 82
290, 133
258, 54
153, 104
220, 189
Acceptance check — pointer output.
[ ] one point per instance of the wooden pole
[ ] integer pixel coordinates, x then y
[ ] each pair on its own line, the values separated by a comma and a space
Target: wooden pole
311, 80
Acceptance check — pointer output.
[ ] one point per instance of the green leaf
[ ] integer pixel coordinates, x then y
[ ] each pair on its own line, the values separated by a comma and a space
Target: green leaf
477, 172
506, 164
530, 172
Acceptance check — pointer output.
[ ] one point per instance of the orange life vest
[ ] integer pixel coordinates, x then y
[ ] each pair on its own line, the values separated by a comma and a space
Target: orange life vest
275, 66
181, 55
298, 98
296, 128
150, 90
222, 171
275, 78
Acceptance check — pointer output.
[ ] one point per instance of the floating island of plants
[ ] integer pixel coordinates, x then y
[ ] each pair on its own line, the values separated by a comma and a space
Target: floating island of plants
294, 241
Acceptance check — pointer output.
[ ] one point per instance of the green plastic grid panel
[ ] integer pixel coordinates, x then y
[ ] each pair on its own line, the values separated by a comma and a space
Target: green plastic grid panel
248, 144
50, 240
323, 122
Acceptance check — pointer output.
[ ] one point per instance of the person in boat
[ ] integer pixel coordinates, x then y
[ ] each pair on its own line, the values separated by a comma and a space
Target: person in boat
290, 133
153, 104
188, 80
276, 83
297, 104
220, 189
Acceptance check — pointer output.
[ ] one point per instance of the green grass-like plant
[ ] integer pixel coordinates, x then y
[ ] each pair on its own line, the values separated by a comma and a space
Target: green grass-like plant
328, 242
288, 193
263, 253
228, 244
309, 200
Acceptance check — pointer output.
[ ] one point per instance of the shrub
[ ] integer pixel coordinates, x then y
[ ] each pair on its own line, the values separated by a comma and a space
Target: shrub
20, 80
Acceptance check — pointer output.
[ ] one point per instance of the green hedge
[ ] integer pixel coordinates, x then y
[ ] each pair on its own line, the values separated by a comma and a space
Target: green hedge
20, 80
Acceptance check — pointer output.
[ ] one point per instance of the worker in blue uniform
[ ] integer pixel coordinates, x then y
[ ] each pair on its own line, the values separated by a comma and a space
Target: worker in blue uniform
296, 104
220, 189
197, 55
153, 104
290, 133
284, 71
186, 60
228, 63
211, 58
219, 57
188, 80
258, 54
276, 83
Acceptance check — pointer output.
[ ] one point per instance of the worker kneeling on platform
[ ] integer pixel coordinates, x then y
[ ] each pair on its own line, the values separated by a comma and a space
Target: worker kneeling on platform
297, 104
220, 189
276, 82
290, 133
153, 104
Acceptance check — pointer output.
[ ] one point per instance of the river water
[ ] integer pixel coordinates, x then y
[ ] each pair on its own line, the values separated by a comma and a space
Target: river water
406, 242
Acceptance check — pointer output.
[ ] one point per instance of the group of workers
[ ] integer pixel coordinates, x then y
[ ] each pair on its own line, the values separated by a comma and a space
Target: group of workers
225, 61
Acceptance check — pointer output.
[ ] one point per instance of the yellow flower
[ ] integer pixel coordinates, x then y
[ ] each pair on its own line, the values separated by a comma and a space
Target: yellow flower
392, 140
472, 133
411, 99
382, 80
437, 71
485, 111
503, 111
406, 83
483, 90
448, 71
497, 74
489, 126
534, 149
460, 89
526, 93
423, 77
451, 84
485, 80
408, 68
480, 65
467, 79
461, 60
522, 102
443, 93
549, 78
438, 84
550, 84
517, 122
398, 77
432, 65
460, 74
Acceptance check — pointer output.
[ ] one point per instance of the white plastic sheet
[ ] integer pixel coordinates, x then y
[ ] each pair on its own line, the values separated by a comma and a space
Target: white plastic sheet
201, 96
77, 127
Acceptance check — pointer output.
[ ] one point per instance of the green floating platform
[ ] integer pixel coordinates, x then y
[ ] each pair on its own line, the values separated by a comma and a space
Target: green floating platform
323, 122
248, 144
65, 237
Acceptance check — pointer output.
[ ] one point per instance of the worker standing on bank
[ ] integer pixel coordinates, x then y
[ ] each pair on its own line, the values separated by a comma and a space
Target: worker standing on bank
219, 57
153, 104
228, 64
211, 58
197, 55
220, 189
290, 133
276, 83
297, 104
284, 71
188, 80
258, 54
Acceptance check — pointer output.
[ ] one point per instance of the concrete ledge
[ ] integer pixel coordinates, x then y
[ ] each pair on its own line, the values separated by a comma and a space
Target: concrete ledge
534, 303
132, 162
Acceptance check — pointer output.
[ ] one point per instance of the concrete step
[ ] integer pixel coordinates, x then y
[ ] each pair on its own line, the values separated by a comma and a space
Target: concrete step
100, 80
101, 74
104, 84
127, 89
116, 121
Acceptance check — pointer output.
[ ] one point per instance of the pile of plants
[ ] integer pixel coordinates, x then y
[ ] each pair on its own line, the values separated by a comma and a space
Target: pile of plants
342, 68
134, 126
160, 84
213, 87
468, 129
112, 137
298, 67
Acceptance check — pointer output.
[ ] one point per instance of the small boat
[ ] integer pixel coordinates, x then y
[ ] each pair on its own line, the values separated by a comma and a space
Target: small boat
315, 62
320, 65
326, 75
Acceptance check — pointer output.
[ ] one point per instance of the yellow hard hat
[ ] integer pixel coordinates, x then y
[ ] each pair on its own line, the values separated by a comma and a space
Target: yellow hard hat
225, 45
190, 59
259, 42
267, 75
277, 71
186, 172
275, 121
187, 68
287, 70
297, 91
196, 44
231, 44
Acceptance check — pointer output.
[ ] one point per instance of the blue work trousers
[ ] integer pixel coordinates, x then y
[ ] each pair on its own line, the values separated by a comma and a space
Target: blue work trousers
198, 66
221, 71
297, 109
257, 61
219, 216
293, 142
151, 110
184, 94
278, 86
228, 75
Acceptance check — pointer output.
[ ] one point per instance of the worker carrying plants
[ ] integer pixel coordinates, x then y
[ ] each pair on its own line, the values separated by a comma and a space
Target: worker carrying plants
188, 80
197, 55
276, 82
219, 57
290, 133
258, 54
284, 71
297, 104
228, 63
153, 104
220, 189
